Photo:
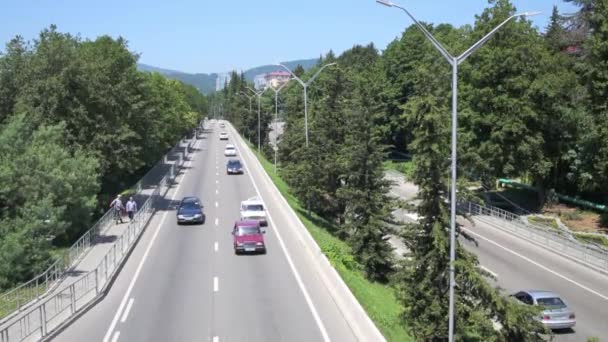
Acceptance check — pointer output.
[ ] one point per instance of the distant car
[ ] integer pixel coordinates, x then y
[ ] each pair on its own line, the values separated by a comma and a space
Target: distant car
223, 136
222, 125
230, 150
190, 210
555, 315
254, 209
248, 237
234, 166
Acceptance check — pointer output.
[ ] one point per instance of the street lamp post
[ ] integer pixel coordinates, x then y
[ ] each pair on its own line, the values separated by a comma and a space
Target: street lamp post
305, 86
259, 95
454, 61
249, 97
276, 119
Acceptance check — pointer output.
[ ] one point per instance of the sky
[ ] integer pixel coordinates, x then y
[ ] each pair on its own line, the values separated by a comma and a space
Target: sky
217, 36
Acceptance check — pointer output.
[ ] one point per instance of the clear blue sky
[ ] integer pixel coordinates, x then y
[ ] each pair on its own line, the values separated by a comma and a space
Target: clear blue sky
215, 36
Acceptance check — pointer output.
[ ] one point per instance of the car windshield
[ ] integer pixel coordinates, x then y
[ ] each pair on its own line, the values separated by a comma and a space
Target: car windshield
553, 302
190, 205
255, 207
234, 164
242, 231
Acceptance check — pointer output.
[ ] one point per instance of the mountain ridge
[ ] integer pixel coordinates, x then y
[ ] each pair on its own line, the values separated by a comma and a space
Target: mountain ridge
205, 82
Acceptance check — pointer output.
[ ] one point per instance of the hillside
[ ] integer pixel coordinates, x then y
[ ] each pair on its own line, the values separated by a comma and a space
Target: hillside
206, 82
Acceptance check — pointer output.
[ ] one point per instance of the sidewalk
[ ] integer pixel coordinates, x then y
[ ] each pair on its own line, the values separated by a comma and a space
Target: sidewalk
72, 284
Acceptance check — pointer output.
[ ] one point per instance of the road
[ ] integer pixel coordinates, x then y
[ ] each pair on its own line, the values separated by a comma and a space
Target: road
519, 264
184, 283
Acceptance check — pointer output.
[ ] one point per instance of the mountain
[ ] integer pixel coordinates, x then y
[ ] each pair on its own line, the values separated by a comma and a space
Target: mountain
205, 83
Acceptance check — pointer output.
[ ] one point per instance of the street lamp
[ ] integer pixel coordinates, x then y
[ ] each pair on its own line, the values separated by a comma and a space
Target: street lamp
259, 95
305, 86
276, 119
249, 97
454, 61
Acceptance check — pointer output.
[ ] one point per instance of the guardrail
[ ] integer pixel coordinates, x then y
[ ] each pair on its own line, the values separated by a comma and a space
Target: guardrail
48, 314
20, 297
555, 240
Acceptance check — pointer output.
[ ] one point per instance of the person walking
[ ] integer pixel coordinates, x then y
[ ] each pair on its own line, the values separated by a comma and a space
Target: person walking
131, 208
117, 206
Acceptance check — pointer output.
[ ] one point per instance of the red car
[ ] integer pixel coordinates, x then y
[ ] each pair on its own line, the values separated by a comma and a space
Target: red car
248, 237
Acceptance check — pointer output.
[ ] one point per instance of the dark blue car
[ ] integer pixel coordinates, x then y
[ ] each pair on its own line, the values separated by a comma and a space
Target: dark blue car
234, 166
190, 210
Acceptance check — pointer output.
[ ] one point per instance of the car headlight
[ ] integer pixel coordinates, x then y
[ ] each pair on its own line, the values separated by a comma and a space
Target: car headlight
198, 215
239, 243
260, 243
180, 216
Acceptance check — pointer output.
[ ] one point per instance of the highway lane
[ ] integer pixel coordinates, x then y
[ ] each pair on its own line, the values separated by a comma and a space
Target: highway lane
519, 265
184, 283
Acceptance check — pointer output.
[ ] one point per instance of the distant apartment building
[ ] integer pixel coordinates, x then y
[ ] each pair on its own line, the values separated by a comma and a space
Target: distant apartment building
259, 82
221, 81
277, 78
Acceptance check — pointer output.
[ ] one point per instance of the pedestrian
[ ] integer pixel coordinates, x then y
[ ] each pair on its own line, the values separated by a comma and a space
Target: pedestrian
117, 206
131, 208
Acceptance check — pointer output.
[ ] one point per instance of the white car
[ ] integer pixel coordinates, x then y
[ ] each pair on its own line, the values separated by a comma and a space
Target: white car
223, 136
230, 150
254, 209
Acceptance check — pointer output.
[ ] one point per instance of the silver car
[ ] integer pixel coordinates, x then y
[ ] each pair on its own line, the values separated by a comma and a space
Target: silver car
555, 314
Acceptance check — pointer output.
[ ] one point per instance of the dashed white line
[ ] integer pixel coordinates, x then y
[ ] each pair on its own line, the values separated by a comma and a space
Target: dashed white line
539, 265
115, 337
216, 339
125, 314
217, 204
216, 284
217, 173
216, 246
217, 192
217, 221
217, 182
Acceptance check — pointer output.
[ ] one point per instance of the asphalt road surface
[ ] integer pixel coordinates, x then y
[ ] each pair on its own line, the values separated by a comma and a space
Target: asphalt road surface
184, 283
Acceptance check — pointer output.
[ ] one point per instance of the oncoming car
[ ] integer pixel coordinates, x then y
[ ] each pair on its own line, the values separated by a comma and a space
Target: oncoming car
230, 150
248, 237
555, 313
190, 210
254, 209
223, 136
234, 166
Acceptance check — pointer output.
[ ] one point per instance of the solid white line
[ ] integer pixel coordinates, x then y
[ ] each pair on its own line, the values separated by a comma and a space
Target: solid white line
216, 246
126, 313
141, 263
493, 274
217, 221
540, 266
295, 272
216, 284
115, 337
217, 204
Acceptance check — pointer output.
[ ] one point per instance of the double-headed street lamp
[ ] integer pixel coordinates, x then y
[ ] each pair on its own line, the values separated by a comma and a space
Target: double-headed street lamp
259, 95
305, 86
454, 61
276, 119
250, 97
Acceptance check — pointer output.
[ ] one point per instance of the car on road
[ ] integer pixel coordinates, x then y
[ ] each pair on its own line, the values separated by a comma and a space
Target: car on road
254, 209
248, 237
222, 125
190, 210
555, 313
230, 150
223, 136
234, 166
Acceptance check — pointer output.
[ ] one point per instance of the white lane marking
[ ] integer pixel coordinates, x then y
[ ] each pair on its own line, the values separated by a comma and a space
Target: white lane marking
216, 284
217, 173
216, 339
126, 313
295, 272
217, 204
115, 337
143, 260
540, 266
217, 182
217, 192
216, 246
217, 221
493, 274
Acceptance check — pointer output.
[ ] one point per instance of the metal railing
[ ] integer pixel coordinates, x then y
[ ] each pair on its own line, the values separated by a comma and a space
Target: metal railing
20, 297
48, 314
555, 240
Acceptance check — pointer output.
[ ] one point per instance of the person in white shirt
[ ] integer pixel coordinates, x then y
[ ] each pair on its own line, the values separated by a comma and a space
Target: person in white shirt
131, 208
